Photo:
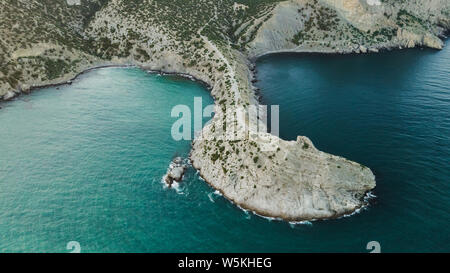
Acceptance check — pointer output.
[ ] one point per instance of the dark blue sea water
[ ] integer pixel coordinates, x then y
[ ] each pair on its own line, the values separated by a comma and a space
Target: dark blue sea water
84, 162
388, 111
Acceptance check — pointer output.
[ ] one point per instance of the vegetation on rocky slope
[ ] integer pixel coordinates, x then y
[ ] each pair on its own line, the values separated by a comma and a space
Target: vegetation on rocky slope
42, 40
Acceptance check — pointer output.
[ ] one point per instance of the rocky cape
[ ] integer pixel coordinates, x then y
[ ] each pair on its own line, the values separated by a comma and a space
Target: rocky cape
291, 180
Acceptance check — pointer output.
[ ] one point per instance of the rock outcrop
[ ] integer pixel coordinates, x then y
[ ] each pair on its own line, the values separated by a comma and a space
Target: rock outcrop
175, 171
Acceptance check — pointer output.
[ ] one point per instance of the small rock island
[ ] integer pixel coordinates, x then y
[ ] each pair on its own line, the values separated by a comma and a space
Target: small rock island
175, 171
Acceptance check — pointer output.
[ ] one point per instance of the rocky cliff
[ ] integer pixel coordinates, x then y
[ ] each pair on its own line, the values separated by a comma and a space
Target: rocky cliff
50, 41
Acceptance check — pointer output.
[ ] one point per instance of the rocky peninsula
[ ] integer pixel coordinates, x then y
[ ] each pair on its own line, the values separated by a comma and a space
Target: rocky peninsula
49, 42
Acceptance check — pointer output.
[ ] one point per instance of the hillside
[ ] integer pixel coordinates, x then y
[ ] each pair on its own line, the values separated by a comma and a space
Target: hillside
50, 41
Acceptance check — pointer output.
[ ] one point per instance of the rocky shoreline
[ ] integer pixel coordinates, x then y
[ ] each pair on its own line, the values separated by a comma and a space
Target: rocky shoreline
365, 202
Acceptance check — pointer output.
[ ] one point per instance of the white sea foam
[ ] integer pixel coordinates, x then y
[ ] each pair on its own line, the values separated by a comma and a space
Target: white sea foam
214, 195
357, 211
295, 223
247, 212
369, 196
175, 186
248, 216
211, 197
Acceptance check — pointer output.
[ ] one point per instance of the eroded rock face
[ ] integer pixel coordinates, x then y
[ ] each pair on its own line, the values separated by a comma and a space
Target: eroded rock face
361, 13
412, 39
9, 95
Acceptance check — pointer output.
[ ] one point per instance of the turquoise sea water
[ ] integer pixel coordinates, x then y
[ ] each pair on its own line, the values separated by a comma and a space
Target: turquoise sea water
84, 162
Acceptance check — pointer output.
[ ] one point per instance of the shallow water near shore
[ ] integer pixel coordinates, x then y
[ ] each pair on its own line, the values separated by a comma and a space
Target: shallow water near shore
84, 162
